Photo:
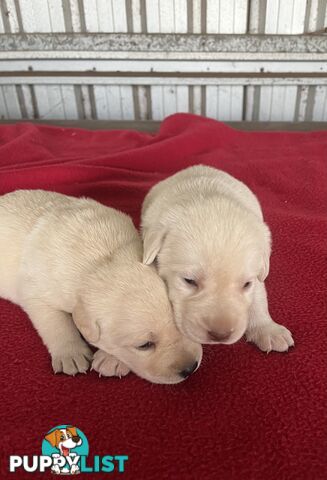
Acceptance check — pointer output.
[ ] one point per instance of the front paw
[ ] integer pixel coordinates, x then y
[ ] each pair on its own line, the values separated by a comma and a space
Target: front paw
56, 469
72, 358
108, 365
271, 336
74, 469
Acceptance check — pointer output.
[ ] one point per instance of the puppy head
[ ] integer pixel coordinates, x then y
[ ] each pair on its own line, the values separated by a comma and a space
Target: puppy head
210, 255
124, 310
64, 437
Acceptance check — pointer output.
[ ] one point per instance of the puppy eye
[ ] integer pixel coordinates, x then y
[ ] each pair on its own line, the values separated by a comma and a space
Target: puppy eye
62, 437
146, 346
190, 281
247, 285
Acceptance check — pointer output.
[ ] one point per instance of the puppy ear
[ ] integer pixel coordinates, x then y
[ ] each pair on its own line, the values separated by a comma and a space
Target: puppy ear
152, 242
88, 327
52, 438
266, 250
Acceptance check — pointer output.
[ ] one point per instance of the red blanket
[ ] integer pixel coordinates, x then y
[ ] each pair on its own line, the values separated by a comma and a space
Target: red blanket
244, 414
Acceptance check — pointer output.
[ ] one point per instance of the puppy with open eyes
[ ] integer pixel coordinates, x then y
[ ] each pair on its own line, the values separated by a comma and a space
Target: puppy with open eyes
74, 266
206, 230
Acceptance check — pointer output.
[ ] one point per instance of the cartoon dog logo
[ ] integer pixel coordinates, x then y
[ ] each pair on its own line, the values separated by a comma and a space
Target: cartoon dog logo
64, 440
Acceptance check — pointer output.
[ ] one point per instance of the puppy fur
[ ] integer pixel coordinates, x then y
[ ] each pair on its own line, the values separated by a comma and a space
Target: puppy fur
75, 265
206, 230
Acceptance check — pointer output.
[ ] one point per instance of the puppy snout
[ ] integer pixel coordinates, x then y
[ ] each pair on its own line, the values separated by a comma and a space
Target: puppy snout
76, 439
218, 336
188, 370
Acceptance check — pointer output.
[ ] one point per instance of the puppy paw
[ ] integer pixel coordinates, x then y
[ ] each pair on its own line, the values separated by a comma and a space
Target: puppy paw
271, 337
55, 469
108, 365
72, 358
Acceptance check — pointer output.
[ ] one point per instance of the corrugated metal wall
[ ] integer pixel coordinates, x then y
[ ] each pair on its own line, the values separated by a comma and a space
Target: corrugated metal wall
157, 82
163, 16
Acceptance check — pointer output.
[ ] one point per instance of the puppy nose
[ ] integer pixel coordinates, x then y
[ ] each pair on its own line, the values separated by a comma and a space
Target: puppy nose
189, 370
75, 439
218, 336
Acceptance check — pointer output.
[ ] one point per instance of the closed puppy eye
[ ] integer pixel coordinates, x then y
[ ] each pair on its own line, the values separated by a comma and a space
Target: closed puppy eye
190, 281
247, 285
146, 346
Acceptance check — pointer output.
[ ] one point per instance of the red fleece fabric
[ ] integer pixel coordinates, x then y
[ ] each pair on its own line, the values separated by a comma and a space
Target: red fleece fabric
243, 414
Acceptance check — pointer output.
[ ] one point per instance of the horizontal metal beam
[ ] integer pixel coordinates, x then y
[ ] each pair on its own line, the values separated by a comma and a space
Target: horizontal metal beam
165, 43
160, 66
104, 78
161, 56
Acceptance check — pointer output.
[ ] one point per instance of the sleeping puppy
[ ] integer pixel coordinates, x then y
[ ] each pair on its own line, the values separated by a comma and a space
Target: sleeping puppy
75, 265
206, 230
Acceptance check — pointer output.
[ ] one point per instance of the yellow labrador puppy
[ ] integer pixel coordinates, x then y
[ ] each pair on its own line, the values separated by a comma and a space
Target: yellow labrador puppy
75, 265
206, 230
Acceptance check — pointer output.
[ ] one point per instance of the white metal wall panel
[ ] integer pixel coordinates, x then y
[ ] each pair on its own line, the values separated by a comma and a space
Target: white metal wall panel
56, 14
136, 16
105, 15
91, 16
11, 101
126, 99
227, 16
75, 16
101, 102
298, 16
158, 110
86, 102
175, 99
265, 103
255, 22
12, 16
3, 107
49, 102
55, 102
320, 104
224, 102
196, 16
283, 103
69, 102
2, 27
288, 110
142, 101
117, 102
180, 14
166, 16
317, 15
35, 16
28, 101
282, 18
197, 99
167, 100
153, 16
114, 102
285, 17
277, 103
119, 15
